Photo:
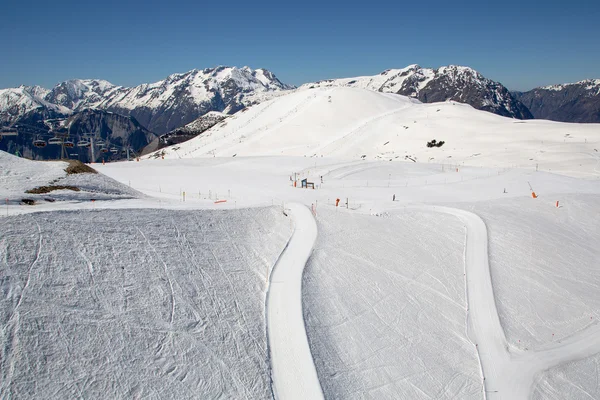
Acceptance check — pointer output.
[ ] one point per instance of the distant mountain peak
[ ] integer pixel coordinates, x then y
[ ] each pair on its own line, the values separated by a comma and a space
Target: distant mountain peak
161, 106
568, 102
452, 82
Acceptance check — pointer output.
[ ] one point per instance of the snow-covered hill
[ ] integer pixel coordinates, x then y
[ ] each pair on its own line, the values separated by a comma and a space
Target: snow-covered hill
358, 123
462, 84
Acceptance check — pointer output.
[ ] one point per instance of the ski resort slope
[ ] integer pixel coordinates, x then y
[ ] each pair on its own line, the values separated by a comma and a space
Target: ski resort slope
449, 272
294, 374
351, 123
137, 303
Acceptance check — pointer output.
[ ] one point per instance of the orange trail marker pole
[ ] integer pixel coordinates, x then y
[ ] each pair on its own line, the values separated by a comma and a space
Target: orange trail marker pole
556, 203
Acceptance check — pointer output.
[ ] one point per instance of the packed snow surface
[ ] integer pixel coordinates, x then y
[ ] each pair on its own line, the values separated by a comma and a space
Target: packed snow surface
141, 303
385, 321
462, 271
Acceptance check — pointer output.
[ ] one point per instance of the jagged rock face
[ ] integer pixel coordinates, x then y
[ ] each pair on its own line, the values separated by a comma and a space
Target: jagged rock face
466, 86
456, 83
574, 102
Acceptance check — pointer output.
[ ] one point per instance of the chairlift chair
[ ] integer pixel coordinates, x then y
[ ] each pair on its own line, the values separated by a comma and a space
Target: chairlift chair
83, 143
69, 144
39, 143
55, 140
114, 150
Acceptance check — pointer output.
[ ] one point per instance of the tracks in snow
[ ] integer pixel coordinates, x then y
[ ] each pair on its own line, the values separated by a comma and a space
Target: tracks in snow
507, 375
293, 369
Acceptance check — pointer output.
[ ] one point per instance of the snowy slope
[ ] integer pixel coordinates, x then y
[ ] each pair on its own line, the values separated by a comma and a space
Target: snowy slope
370, 260
354, 253
453, 290
453, 82
352, 123
137, 303
385, 322
18, 176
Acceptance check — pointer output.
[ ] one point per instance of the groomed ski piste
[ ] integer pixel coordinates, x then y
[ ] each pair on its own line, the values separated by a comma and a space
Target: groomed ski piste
462, 271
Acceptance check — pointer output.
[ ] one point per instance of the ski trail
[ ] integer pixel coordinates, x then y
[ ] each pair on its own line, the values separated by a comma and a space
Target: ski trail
294, 373
506, 375
337, 143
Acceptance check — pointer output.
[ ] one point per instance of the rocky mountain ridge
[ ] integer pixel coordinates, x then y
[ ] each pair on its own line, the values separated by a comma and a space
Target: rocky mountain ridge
571, 102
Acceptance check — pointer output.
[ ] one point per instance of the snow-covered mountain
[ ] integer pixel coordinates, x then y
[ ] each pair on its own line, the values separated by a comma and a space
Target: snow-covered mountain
571, 102
16, 102
175, 101
78, 94
158, 107
462, 84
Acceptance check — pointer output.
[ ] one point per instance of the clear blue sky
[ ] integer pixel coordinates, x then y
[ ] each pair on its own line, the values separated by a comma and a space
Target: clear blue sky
522, 44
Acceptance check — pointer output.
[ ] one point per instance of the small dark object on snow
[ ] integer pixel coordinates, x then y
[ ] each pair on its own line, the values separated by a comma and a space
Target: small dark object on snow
435, 143
29, 202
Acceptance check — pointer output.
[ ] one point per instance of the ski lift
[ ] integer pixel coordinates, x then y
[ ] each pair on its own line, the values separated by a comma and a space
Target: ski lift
55, 140
69, 144
104, 150
114, 150
83, 143
8, 132
39, 143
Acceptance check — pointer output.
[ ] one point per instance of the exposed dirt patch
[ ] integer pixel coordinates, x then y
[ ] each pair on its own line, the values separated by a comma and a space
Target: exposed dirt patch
50, 188
77, 167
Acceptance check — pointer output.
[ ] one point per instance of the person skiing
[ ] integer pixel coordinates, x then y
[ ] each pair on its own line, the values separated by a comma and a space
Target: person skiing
394, 198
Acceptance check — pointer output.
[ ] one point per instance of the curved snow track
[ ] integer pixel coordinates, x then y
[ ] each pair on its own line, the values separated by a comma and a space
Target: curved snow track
506, 375
293, 370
